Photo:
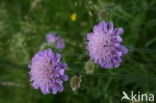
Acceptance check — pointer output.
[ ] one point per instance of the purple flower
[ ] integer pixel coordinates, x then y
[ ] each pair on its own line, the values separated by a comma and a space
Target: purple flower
60, 43
104, 45
47, 72
52, 38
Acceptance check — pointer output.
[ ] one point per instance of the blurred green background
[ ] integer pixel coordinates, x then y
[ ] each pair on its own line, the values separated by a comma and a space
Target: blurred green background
24, 24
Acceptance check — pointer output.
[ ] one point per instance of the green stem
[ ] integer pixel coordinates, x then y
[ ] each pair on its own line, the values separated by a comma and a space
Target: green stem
90, 75
141, 50
114, 76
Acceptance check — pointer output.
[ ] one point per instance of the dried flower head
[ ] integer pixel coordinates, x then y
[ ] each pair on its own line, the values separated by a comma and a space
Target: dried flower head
52, 38
89, 67
75, 83
104, 45
102, 14
47, 72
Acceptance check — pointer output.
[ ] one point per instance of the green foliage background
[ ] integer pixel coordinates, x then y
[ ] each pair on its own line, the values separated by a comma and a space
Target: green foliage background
24, 24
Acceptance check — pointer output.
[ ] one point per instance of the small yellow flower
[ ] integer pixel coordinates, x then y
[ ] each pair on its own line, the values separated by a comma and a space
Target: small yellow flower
73, 17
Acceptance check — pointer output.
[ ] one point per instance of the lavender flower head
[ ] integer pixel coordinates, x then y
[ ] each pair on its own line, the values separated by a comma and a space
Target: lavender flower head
104, 45
52, 38
47, 72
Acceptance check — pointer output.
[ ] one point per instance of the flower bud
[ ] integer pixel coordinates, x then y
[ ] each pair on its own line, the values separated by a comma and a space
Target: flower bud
102, 14
89, 67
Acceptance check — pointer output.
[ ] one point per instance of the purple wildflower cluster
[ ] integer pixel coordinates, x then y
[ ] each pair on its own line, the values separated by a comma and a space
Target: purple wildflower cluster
104, 45
52, 38
47, 72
